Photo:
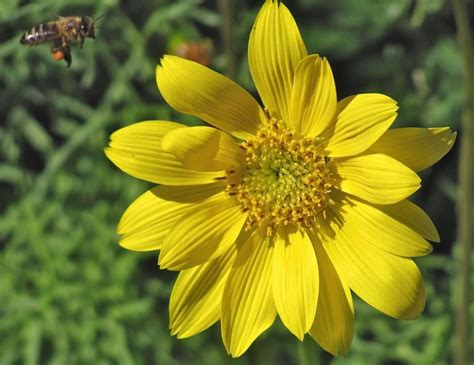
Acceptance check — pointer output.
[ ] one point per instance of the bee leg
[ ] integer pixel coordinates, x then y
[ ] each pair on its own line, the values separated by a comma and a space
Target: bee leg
67, 55
62, 53
82, 42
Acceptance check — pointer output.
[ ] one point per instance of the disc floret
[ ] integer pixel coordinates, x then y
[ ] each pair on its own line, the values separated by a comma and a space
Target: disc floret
285, 179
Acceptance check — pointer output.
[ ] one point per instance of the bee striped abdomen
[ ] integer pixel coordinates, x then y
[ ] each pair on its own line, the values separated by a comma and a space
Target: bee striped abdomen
42, 33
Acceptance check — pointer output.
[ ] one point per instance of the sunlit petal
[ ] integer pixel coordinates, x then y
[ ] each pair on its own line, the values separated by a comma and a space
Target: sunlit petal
376, 178
417, 148
203, 148
390, 283
334, 323
275, 49
194, 89
313, 98
196, 299
147, 221
136, 150
295, 280
202, 234
381, 228
360, 120
248, 307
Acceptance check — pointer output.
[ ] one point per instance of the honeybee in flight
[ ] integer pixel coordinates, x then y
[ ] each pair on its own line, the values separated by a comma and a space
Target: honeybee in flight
62, 32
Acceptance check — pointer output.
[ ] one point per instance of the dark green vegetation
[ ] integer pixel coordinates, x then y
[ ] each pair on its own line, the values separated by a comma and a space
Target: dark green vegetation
69, 294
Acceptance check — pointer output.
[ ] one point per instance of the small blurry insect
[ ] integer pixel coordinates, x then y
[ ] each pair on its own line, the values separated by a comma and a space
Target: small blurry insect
62, 32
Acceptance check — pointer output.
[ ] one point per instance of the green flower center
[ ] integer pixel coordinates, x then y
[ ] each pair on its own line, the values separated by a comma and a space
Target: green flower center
285, 179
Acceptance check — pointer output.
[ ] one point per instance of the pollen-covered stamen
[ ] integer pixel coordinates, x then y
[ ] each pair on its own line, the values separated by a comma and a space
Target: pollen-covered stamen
284, 180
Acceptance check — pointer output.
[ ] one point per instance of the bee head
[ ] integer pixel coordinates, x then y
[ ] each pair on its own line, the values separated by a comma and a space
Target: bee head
87, 27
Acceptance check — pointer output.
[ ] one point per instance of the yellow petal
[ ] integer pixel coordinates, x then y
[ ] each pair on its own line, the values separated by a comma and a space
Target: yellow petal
196, 299
390, 283
148, 219
203, 148
275, 49
295, 280
360, 120
412, 216
417, 148
365, 222
136, 150
248, 307
333, 325
194, 89
377, 178
313, 98
206, 231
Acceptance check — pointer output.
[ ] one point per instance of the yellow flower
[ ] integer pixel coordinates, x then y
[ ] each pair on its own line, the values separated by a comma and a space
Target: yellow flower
283, 210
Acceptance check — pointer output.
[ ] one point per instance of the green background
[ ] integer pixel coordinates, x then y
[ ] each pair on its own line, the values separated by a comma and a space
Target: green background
69, 294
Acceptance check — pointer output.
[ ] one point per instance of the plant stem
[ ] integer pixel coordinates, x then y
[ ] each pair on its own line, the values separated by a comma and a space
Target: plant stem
226, 8
461, 350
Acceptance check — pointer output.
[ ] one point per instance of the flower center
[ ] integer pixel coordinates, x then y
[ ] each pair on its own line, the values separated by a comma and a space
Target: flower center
284, 180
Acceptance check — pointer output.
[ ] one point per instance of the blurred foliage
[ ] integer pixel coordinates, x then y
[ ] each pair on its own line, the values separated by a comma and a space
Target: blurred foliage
68, 293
